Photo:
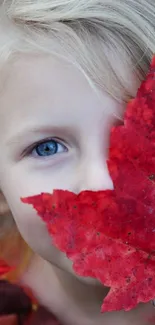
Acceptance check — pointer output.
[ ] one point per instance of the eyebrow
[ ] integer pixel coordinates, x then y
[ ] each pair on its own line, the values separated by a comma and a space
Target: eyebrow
48, 129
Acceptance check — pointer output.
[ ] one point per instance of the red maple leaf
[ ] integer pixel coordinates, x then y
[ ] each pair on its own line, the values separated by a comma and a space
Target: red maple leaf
110, 235
4, 268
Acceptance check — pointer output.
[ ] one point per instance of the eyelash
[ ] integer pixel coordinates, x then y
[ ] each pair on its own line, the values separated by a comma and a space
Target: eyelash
29, 151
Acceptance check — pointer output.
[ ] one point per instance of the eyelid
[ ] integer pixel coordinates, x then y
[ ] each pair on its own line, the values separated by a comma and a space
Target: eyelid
30, 148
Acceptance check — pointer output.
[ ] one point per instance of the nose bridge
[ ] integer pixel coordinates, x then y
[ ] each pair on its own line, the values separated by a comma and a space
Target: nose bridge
94, 173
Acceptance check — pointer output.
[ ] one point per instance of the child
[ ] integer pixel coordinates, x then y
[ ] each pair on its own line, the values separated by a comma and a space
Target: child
68, 68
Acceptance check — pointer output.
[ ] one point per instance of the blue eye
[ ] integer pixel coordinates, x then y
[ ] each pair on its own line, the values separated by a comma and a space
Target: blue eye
48, 148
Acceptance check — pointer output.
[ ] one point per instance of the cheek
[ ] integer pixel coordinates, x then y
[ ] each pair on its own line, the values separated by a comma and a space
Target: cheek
16, 181
20, 182
31, 227
34, 231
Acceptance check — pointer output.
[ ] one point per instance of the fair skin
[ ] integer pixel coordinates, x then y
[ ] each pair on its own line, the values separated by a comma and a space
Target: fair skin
46, 99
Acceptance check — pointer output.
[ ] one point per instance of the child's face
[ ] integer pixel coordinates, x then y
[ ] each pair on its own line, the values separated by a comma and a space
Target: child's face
54, 134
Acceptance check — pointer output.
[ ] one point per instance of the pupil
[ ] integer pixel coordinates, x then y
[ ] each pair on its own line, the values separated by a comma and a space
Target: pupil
47, 148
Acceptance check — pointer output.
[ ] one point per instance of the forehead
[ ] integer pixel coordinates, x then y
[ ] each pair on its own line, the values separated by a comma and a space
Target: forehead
29, 73
43, 88
39, 78
31, 77
34, 81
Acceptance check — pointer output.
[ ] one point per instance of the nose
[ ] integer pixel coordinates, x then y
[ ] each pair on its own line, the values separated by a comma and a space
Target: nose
94, 175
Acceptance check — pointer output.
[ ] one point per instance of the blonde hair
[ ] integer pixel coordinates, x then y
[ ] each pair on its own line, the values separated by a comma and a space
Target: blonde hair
88, 33
91, 33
